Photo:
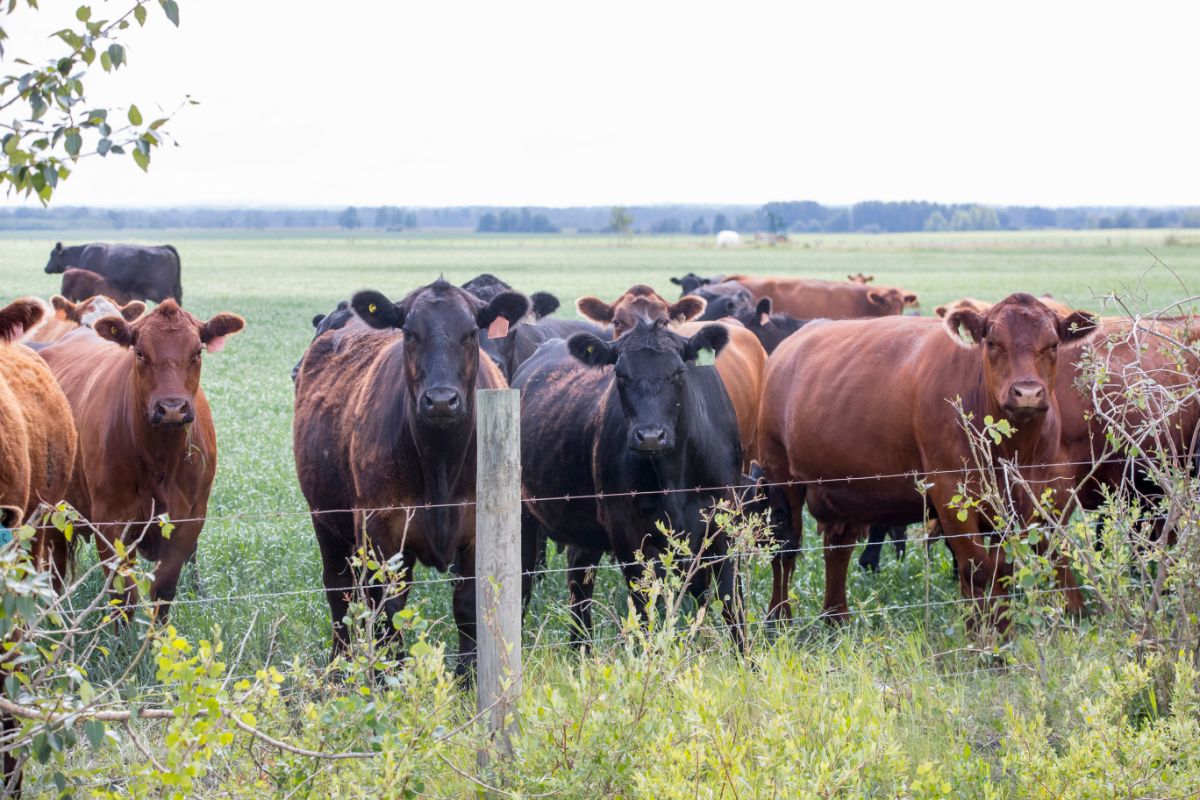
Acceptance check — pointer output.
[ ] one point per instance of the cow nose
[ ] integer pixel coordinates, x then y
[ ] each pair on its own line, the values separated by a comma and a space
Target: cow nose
441, 402
172, 411
1028, 394
650, 438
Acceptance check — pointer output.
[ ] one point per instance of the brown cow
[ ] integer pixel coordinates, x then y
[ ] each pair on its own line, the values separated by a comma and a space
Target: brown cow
740, 363
385, 419
809, 298
982, 306
37, 452
856, 399
147, 445
68, 316
80, 284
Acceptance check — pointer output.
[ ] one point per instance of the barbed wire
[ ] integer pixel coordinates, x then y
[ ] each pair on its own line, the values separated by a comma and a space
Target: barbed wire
914, 475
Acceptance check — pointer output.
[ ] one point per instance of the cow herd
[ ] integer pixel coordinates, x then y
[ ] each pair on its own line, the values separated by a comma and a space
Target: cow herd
629, 438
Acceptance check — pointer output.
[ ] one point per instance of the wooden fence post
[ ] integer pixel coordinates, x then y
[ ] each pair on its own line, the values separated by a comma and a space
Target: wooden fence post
498, 560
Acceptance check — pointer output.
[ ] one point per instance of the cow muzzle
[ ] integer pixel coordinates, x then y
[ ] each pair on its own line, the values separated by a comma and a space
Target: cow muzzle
650, 439
1026, 399
441, 404
171, 412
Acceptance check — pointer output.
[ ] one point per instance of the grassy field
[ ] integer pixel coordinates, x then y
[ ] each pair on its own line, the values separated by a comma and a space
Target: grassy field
258, 561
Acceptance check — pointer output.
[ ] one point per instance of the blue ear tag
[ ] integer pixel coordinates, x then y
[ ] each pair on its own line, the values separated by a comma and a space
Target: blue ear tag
706, 358
5, 535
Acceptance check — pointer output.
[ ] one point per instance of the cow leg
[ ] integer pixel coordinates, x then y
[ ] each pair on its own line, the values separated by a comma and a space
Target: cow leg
176, 552
869, 558
51, 551
787, 526
729, 590
979, 566
464, 613
335, 537
839, 539
106, 537
11, 780
581, 581
533, 554
387, 635
899, 537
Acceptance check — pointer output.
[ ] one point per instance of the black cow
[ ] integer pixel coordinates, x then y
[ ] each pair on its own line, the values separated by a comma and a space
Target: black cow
771, 329
621, 416
868, 559
689, 283
729, 299
142, 272
385, 419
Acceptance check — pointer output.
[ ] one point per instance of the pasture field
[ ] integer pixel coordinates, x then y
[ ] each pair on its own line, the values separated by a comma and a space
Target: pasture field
896, 704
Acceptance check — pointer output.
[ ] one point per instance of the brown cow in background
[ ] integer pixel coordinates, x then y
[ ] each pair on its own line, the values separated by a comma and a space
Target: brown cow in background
147, 443
856, 399
80, 284
809, 298
740, 363
69, 316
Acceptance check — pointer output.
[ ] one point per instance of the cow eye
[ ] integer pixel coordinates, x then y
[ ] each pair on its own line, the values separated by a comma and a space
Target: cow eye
199, 353
470, 337
140, 355
410, 335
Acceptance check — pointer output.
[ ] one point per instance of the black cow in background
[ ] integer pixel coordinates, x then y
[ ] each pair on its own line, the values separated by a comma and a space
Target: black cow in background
143, 272
724, 300
771, 329
689, 283
614, 417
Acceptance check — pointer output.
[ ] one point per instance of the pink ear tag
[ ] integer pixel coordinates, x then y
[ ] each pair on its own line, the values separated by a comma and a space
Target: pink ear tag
764, 318
498, 329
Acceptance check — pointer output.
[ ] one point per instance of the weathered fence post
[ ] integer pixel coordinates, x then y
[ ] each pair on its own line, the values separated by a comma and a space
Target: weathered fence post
498, 560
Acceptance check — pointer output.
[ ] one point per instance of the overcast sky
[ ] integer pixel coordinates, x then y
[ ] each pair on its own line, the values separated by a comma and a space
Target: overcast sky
570, 103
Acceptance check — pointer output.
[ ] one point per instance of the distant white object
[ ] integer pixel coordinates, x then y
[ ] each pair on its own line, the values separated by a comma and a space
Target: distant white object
728, 239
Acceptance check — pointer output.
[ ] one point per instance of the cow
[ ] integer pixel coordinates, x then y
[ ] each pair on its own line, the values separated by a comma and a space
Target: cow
147, 445
846, 401
141, 271
740, 365
634, 415
982, 306
384, 440
69, 316
80, 284
809, 298
768, 327
689, 283
724, 300
860, 278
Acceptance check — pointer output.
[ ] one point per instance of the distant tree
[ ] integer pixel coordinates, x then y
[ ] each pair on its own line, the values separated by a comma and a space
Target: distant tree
936, 222
410, 219
488, 223
49, 122
620, 221
1190, 218
1105, 223
383, 217
1125, 220
720, 223
699, 227
348, 219
775, 223
668, 225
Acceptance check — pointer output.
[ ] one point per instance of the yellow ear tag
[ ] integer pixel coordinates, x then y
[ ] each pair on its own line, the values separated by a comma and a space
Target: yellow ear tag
591, 349
371, 308
114, 330
706, 358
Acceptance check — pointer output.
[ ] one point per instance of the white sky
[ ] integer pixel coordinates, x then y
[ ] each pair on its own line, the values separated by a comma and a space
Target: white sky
368, 102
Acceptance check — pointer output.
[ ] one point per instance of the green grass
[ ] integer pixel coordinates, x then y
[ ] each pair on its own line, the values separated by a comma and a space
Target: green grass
264, 547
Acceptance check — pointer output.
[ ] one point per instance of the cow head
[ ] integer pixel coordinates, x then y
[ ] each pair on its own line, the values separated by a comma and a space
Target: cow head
649, 366
88, 312
441, 324
689, 283
887, 301
963, 304
58, 260
639, 304
722, 300
771, 329
18, 317
167, 345
1019, 338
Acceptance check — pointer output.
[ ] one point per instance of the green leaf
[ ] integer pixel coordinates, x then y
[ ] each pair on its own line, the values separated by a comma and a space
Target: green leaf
103, 146
73, 143
135, 116
139, 13
962, 515
106, 61
83, 13
171, 9
116, 53
94, 729
141, 159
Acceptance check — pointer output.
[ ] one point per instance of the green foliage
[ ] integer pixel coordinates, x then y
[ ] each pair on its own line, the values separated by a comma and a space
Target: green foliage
44, 110
620, 221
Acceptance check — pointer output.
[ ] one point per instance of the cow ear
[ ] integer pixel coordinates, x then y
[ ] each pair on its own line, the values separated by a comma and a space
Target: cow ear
18, 317
317, 319
687, 307
543, 303
1080, 325
58, 248
594, 309
132, 310
910, 299
376, 310
213, 332
878, 298
966, 327
941, 311
592, 350
677, 281
115, 329
64, 308
762, 311
510, 305
710, 337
